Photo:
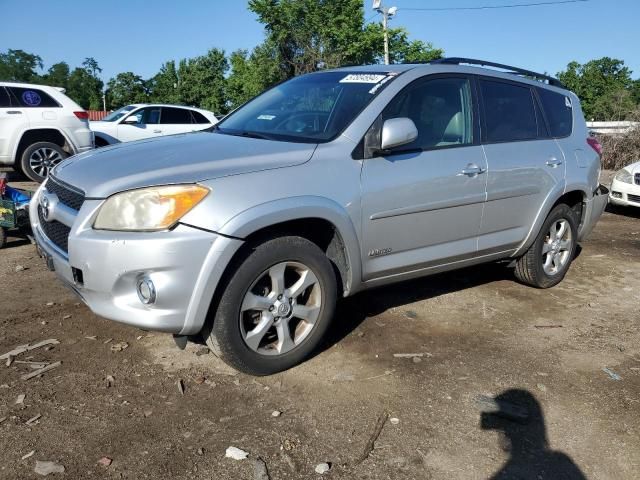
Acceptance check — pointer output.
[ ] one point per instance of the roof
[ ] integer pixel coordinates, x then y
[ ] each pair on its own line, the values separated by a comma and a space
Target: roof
32, 85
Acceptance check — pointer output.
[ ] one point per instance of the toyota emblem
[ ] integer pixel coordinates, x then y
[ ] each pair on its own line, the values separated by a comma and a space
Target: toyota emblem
44, 205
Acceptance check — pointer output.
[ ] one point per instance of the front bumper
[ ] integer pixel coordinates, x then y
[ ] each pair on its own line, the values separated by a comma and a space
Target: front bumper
624, 194
103, 268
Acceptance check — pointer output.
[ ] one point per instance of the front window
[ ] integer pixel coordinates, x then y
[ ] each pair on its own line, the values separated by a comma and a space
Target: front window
118, 114
312, 108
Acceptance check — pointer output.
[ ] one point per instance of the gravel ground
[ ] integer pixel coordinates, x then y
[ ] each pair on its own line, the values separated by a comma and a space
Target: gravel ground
569, 355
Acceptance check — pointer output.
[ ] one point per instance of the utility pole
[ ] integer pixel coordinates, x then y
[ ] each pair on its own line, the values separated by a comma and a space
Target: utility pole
387, 14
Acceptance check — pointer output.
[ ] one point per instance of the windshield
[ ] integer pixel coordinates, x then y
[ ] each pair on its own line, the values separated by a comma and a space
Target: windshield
312, 108
113, 116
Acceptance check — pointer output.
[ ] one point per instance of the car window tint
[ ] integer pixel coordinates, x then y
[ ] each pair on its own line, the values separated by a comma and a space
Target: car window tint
4, 98
175, 116
31, 98
558, 110
441, 110
151, 115
509, 112
198, 117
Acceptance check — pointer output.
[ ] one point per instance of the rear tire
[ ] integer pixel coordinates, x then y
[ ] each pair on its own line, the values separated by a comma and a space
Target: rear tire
39, 158
275, 308
3, 237
547, 261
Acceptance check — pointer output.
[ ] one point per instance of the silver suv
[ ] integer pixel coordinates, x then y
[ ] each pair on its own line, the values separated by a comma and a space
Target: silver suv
323, 186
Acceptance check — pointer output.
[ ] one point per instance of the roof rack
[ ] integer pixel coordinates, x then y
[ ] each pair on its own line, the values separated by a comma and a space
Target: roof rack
509, 69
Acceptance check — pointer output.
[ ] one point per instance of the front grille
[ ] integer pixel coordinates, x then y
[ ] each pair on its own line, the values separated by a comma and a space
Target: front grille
71, 198
637, 177
633, 198
55, 231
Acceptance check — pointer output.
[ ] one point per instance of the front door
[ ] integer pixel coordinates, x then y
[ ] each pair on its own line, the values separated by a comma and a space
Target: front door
422, 203
147, 125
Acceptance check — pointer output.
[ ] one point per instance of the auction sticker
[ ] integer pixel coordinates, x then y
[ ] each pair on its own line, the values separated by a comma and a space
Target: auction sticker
31, 98
363, 78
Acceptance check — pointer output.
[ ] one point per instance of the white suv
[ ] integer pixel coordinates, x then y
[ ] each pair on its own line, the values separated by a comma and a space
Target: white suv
39, 127
135, 122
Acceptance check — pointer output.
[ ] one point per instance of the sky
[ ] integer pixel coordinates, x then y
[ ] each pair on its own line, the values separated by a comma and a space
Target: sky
139, 36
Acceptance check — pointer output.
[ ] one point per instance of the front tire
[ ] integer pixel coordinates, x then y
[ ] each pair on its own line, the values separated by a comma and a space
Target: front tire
547, 261
275, 308
38, 160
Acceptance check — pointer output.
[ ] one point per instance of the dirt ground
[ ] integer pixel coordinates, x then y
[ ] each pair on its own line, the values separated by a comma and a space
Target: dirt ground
477, 332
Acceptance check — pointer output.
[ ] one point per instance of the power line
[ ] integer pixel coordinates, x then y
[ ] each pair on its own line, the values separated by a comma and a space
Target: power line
491, 7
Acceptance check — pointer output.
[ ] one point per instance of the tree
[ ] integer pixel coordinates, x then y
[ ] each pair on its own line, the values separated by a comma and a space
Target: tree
57, 75
19, 66
126, 88
604, 87
251, 74
85, 87
202, 81
163, 87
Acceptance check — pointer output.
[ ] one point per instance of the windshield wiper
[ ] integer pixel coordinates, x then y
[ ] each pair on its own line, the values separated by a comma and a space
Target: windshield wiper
242, 133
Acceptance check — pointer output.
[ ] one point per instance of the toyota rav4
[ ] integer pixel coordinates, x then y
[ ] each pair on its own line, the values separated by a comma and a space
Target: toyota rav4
323, 186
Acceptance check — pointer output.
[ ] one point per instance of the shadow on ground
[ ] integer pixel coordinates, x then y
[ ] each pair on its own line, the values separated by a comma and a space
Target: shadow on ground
530, 455
352, 311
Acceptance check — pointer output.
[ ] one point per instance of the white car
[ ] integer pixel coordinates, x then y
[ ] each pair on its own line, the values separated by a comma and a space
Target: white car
625, 188
135, 122
39, 127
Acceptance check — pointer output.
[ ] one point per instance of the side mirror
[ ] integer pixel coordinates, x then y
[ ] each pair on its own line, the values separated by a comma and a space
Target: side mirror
397, 131
131, 120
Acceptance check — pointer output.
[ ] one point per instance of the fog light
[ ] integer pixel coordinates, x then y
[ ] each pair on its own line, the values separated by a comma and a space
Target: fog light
146, 291
616, 194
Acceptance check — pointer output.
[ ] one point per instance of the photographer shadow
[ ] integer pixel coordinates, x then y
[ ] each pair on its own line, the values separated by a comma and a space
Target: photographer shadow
531, 456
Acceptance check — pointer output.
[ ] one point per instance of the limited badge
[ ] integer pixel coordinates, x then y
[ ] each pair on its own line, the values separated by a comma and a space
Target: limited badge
31, 98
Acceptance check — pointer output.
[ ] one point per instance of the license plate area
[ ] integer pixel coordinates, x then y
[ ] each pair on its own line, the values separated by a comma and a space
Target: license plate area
48, 259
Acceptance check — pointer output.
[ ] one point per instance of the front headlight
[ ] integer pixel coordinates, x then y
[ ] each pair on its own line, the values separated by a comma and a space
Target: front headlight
149, 209
624, 176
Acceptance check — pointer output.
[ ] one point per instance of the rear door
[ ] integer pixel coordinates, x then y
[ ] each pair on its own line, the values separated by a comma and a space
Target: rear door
40, 108
147, 125
419, 207
524, 164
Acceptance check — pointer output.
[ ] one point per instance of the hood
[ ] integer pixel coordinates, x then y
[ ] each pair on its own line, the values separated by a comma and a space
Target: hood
185, 158
633, 168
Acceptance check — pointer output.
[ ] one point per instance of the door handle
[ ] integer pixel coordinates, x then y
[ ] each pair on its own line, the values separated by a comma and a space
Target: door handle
157, 131
471, 170
553, 162
14, 112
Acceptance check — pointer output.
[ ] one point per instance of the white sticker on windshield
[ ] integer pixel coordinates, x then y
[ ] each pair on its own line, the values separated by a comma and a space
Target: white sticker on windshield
362, 78
266, 117
567, 102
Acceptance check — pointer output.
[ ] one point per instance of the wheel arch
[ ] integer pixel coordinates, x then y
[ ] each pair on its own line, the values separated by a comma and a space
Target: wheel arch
575, 197
34, 135
317, 219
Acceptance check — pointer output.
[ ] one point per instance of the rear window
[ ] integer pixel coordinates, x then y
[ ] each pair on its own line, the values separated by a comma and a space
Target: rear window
198, 117
559, 112
509, 112
31, 98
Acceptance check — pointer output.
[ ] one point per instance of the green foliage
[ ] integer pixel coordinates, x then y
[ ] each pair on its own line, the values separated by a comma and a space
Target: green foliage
84, 86
19, 66
201, 81
604, 86
126, 88
164, 86
57, 75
